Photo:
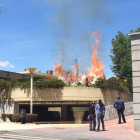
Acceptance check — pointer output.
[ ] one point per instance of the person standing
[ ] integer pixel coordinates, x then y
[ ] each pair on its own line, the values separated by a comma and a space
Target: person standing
92, 117
119, 105
100, 111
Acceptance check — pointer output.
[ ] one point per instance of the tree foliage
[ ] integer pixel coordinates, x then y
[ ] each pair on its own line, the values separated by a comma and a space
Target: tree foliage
121, 55
6, 87
121, 85
5, 93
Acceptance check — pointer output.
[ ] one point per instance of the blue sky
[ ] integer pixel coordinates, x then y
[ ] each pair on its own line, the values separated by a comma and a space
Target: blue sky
37, 33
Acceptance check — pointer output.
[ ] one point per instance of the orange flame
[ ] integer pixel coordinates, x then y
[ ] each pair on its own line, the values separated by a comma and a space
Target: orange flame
75, 69
58, 69
97, 66
96, 70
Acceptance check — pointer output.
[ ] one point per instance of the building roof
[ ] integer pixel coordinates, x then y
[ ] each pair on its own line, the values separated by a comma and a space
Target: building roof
38, 74
137, 33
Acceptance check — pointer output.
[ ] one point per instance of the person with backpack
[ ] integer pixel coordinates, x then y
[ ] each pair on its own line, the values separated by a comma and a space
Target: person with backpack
92, 117
119, 105
100, 111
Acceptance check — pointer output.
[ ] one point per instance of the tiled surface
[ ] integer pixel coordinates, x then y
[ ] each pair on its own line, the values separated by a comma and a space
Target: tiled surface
124, 131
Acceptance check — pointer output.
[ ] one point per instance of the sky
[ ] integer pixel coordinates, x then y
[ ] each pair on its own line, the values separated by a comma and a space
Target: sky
38, 33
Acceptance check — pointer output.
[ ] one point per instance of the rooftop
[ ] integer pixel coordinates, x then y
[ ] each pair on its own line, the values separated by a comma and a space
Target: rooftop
38, 74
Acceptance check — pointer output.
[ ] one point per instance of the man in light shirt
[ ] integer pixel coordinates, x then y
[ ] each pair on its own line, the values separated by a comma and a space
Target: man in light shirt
100, 111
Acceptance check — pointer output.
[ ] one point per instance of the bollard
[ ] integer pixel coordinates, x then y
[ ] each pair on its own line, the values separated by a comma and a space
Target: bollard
22, 115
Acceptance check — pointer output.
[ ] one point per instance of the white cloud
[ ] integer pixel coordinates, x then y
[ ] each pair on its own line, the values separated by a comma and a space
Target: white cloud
6, 64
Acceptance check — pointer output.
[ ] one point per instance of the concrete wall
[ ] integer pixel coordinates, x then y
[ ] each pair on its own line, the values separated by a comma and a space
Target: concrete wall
111, 112
11, 75
78, 98
78, 112
7, 108
135, 48
70, 94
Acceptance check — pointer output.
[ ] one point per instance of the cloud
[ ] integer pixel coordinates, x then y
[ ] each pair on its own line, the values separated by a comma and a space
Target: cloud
6, 64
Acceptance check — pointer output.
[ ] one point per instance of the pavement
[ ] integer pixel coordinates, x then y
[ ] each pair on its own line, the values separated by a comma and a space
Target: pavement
114, 131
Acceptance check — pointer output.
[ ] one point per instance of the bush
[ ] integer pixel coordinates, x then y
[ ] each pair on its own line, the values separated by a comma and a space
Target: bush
31, 117
9, 116
12, 117
16, 117
49, 84
3, 117
121, 85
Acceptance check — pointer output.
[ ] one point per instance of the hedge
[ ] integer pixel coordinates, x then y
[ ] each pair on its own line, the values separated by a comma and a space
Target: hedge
16, 117
121, 85
31, 117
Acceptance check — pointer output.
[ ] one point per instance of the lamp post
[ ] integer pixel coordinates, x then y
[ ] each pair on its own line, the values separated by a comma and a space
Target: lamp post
31, 70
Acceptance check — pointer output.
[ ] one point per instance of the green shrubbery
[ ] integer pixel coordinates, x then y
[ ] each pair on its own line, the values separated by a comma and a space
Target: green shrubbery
31, 117
12, 117
16, 117
121, 85
39, 82
49, 84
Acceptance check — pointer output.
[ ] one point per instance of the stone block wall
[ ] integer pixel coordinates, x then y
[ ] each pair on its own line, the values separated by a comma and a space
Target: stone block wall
111, 112
135, 49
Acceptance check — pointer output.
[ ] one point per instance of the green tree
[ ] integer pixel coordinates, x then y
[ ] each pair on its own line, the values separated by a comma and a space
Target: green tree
121, 55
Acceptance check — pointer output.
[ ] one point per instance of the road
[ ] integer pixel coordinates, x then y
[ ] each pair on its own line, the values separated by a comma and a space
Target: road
21, 136
114, 131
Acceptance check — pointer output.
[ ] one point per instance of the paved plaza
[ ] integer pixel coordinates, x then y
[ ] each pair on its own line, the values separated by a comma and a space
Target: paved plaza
114, 131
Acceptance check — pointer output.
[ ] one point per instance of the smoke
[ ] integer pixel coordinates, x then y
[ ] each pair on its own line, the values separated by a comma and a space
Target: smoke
72, 24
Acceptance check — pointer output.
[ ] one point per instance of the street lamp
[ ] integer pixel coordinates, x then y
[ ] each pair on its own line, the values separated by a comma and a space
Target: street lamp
31, 70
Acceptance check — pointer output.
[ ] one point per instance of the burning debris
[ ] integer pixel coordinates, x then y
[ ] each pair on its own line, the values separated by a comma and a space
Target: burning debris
93, 73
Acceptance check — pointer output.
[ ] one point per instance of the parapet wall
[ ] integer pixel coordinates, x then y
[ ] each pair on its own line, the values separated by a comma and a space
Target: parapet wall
111, 112
70, 94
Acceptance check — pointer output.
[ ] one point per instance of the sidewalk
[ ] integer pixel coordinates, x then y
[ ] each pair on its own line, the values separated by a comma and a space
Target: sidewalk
10, 126
124, 131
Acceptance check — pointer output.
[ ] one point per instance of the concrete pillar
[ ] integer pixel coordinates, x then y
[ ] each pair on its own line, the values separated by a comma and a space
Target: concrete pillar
64, 113
16, 108
78, 113
135, 48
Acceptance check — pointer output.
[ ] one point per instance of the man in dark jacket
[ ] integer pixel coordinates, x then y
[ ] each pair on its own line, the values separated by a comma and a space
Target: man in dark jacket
92, 116
119, 105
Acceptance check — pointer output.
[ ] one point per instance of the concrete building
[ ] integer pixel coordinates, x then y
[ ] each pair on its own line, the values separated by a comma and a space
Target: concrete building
11, 75
67, 104
25, 74
135, 47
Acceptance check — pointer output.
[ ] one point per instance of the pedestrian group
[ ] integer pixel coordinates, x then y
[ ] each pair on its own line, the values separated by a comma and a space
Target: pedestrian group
98, 112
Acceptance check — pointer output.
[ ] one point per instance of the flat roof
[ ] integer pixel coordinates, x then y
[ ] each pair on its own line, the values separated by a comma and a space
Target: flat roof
38, 74
138, 33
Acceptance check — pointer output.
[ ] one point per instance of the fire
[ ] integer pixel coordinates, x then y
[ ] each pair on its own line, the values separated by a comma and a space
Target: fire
96, 71
58, 69
97, 66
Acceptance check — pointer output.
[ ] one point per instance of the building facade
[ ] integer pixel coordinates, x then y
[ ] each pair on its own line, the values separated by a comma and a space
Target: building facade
67, 104
135, 48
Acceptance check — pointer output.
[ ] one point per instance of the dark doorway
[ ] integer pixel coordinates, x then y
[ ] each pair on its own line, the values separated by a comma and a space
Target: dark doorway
54, 116
26, 107
85, 117
43, 113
